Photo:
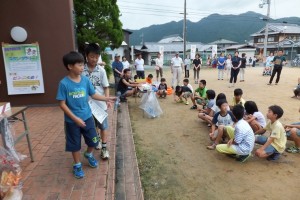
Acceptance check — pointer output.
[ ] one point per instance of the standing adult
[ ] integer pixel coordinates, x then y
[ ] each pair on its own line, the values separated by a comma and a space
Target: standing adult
196, 67
176, 70
269, 63
236, 63
221, 66
159, 66
228, 66
243, 67
139, 66
278, 61
117, 67
187, 65
125, 63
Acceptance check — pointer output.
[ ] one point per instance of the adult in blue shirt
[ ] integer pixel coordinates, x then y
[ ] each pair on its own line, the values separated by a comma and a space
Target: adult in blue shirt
236, 63
221, 66
117, 67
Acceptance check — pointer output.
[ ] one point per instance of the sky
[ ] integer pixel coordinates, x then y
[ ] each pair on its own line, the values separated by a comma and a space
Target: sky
136, 14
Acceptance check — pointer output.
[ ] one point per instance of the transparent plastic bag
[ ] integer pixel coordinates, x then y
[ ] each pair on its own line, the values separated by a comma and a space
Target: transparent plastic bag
150, 105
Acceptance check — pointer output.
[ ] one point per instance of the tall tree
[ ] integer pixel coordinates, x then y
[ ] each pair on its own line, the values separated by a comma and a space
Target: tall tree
98, 21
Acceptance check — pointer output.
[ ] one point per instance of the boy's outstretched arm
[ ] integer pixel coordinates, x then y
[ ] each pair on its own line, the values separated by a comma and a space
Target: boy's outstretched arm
68, 112
103, 98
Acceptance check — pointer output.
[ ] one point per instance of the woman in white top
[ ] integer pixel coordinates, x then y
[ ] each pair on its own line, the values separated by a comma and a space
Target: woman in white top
125, 63
139, 66
228, 66
187, 65
159, 66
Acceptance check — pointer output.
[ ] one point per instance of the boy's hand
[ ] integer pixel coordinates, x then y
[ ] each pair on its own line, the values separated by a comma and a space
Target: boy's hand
211, 135
259, 152
109, 105
80, 122
111, 99
229, 143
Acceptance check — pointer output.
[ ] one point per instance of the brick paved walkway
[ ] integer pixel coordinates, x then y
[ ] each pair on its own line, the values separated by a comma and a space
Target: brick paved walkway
50, 176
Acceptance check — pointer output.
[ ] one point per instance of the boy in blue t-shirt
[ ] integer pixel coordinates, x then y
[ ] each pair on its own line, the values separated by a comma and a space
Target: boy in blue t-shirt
73, 93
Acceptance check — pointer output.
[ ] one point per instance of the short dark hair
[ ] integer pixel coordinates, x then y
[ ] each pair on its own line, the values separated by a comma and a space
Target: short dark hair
277, 110
92, 48
177, 89
150, 76
126, 70
210, 94
238, 92
135, 77
280, 50
238, 111
162, 80
250, 107
243, 55
186, 80
220, 102
72, 58
236, 52
203, 82
221, 96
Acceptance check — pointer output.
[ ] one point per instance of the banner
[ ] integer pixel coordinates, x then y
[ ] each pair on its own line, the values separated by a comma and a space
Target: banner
193, 51
214, 50
23, 69
161, 51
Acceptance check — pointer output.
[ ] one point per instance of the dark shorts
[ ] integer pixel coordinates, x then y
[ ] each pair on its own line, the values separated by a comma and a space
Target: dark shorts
73, 135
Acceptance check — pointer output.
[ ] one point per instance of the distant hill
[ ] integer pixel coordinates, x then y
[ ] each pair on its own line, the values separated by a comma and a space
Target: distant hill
237, 28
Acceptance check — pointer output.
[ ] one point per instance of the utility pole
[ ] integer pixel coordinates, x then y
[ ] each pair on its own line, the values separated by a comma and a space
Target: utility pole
184, 31
267, 24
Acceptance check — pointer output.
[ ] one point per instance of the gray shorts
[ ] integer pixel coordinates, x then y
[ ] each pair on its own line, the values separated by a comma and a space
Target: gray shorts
186, 94
288, 133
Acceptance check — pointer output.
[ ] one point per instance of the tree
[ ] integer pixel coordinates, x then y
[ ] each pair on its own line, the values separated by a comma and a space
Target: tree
98, 21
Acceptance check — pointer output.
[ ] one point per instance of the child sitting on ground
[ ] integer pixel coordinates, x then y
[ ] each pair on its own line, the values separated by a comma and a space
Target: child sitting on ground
297, 90
220, 120
242, 138
149, 79
273, 145
237, 99
186, 83
182, 92
199, 95
210, 94
124, 85
162, 88
255, 118
293, 134
208, 118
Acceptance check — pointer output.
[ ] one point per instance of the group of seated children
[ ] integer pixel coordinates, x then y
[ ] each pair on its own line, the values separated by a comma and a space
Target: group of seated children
241, 124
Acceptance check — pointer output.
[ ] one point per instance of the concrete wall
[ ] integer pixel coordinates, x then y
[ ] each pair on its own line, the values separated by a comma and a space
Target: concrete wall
48, 22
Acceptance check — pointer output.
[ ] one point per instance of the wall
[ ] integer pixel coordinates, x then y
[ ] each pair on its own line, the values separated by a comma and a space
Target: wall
48, 22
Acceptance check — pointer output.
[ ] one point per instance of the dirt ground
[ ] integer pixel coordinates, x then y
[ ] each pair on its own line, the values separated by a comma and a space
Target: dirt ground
175, 164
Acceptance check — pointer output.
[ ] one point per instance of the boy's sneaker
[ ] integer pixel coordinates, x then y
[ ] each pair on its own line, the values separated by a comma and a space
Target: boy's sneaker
104, 153
194, 107
274, 156
187, 103
99, 146
243, 158
293, 150
92, 161
77, 171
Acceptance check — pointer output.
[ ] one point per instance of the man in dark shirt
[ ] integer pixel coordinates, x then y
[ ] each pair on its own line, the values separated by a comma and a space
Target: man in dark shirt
117, 67
278, 62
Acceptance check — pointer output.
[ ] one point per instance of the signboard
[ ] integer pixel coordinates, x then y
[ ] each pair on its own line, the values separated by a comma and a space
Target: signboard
214, 50
23, 69
161, 51
193, 51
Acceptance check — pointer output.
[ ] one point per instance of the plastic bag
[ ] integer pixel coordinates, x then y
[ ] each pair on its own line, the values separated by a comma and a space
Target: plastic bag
150, 105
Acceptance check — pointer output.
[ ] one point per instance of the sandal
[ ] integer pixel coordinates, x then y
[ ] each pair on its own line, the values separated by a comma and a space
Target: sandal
212, 147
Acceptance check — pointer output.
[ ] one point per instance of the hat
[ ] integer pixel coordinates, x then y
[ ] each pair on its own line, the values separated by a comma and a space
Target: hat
117, 55
176, 52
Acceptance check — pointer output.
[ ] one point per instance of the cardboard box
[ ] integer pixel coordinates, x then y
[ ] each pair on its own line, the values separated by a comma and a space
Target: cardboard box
4, 106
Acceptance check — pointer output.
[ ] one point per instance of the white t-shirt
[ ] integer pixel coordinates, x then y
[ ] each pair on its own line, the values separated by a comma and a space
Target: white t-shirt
260, 118
187, 61
176, 62
228, 64
159, 62
269, 60
139, 64
216, 109
125, 64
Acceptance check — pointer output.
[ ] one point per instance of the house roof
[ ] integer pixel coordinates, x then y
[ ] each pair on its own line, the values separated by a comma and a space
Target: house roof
223, 41
128, 31
171, 39
153, 47
276, 28
240, 46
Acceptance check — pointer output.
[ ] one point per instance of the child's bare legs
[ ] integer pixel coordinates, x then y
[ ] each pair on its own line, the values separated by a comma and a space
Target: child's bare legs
255, 126
217, 138
76, 156
294, 137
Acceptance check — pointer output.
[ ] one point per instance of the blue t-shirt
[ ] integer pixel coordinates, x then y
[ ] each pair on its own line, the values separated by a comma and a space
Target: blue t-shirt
76, 96
222, 61
118, 66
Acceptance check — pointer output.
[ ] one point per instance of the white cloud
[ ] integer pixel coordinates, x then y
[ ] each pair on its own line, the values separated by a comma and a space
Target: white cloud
137, 14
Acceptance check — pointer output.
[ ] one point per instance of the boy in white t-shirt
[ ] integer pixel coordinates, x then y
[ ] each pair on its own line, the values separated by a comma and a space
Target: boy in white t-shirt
159, 66
139, 66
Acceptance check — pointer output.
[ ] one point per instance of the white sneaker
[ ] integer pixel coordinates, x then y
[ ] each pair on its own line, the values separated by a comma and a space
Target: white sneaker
99, 146
104, 153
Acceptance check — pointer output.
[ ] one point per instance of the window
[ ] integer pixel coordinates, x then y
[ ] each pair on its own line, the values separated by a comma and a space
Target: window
271, 39
260, 40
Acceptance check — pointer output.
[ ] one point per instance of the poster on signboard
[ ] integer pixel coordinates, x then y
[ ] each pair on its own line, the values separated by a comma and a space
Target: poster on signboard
161, 51
23, 69
214, 50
